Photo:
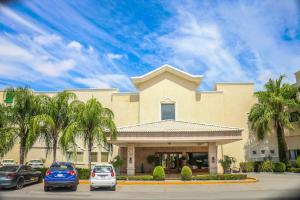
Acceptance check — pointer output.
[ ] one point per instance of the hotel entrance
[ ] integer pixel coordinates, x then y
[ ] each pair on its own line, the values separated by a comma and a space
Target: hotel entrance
170, 161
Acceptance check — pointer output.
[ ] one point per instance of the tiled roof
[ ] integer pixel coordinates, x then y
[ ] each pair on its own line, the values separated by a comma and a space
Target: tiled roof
176, 126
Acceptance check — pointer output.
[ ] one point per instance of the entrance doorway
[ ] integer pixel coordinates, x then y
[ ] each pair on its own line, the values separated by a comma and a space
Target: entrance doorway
170, 161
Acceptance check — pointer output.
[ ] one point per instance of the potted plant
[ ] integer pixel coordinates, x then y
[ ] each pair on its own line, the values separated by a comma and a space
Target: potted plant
117, 162
226, 163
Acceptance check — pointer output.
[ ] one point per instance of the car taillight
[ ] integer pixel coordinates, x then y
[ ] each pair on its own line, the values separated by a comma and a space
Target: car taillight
112, 174
72, 173
93, 174
48, 173
11, 176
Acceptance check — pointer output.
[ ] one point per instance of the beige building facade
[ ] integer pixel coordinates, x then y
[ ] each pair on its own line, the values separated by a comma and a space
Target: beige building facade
169, 121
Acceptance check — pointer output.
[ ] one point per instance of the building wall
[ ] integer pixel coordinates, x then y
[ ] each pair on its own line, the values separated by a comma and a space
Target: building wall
229, 105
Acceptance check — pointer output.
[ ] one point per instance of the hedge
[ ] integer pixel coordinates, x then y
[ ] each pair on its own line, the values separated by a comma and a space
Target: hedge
247, 166
298, 161
293, 170
83, 173
279, 167
220, 177
122, 178
186, 173
266, 166
140, 178
159, 173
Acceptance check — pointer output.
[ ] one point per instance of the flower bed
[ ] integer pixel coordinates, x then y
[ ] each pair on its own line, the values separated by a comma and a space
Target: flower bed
220, 177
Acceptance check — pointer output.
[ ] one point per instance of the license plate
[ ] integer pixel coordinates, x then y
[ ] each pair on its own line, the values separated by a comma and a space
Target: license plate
59, 175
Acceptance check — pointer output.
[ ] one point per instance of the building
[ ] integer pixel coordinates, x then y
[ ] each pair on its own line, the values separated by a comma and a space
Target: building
171, 122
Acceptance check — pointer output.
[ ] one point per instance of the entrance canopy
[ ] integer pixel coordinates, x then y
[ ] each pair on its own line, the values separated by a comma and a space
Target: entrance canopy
171, 131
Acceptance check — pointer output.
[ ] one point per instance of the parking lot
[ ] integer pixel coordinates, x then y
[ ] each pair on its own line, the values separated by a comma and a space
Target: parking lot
269, 186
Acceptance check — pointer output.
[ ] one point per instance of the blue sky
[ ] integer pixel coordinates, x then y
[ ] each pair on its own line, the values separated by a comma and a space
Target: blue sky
59, 44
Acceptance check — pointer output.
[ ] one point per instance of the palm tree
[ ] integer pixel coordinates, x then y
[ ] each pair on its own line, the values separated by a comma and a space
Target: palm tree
7, 138
25, 105
92, 123
273, 108
49, 125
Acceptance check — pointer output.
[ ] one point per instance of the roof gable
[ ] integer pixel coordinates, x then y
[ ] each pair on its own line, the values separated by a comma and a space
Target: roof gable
167, 68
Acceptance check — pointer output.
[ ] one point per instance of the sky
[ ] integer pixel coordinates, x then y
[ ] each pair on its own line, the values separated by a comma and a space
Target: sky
63, 44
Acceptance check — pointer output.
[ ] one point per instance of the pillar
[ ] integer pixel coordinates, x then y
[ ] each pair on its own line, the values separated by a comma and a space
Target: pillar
130, 160
212, 156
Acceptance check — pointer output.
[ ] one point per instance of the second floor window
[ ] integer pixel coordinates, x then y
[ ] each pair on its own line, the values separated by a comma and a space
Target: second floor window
167, 111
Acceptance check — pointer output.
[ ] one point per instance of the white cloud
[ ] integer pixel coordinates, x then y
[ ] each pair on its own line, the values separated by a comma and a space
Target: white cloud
75, 45
105, 81
47, 39
112, 56
54, 69
20, 19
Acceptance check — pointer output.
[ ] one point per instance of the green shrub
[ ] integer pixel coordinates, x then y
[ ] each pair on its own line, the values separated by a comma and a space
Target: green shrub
298, 161
257, 165
122, 178
140, 178
220, 177
226, 163
266, 166
186, 173
279, 167
42, 170
247, 166
293, 170
159, 173
83, 173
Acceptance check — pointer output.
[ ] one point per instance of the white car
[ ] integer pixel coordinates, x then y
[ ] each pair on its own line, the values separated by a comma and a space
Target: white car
36, 163
8, 162
103, 175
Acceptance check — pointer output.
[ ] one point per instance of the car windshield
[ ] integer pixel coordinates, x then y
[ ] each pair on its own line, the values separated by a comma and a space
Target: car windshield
35, 161
8, 161
103, 169
61, 167
9, 168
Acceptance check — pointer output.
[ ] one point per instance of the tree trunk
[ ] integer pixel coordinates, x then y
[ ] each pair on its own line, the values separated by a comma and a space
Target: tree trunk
22, 151
90, 155
54, 149
282, 146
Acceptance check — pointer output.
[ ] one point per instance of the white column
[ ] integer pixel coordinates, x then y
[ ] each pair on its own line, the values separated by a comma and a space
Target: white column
130, 160
212, 156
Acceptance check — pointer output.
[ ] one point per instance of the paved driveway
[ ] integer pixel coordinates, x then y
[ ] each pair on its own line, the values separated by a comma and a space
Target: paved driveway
270, 186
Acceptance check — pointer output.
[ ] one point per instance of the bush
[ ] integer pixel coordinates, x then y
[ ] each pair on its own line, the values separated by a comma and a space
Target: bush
226, 163
247, 166
83, 173
298, 161
124, 178
186, 173
293, 170
279, 167
159, 173
140, 178
257, 165
220, 177
266, 166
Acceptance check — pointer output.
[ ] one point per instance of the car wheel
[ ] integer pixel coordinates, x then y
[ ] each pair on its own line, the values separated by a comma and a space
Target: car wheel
91, 188
113, 188
74, 188
46, 189
40, 180
20, 184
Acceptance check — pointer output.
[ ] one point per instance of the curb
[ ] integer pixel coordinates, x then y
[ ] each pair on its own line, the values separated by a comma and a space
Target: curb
178, 182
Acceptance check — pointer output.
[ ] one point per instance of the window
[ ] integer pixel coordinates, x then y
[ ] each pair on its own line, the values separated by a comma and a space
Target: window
94, 156
262, 151
294, 153
272, 151
254, 152
167, 111
104, 156
294, 116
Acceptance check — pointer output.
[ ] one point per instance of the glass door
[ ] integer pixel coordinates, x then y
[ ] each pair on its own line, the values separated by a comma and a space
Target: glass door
170, 161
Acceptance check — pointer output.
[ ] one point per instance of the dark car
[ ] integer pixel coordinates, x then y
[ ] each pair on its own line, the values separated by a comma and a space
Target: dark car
16, 176
61, 174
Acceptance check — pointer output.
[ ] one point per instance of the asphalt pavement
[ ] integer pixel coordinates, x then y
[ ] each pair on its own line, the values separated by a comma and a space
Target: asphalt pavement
269, 186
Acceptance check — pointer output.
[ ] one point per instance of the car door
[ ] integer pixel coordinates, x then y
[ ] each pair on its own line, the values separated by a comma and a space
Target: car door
31, 175
24, 173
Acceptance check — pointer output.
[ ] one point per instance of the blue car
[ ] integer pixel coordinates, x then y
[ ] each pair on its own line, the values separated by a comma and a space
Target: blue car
61, 174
